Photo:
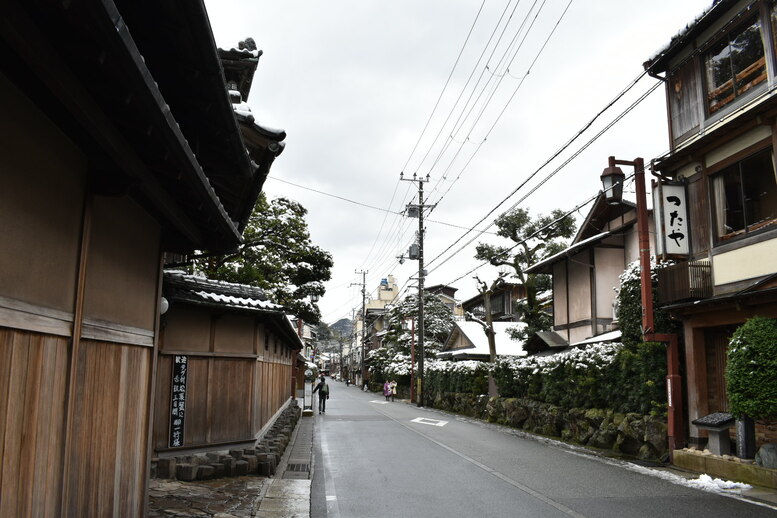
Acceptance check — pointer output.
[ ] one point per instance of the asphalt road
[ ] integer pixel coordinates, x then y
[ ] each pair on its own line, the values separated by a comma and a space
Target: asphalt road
378, 459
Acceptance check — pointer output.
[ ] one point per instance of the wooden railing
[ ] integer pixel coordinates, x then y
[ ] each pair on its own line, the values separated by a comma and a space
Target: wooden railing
757, 67
689, 280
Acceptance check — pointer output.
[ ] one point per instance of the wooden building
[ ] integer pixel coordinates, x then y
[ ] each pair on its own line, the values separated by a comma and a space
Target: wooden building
118, 144
720, 74
504, 303
468, 341
586, 274
226, 368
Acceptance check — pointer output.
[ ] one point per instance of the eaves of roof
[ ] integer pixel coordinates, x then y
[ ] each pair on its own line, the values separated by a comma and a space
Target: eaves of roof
118, 81
660, 62
544, 265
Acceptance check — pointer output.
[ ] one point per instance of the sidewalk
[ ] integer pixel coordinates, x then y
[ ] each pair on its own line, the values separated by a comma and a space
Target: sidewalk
286, 495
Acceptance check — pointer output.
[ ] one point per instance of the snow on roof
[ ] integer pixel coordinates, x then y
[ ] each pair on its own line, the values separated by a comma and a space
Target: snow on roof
237, 301
606, 337
202, 289
567, 251
473, 331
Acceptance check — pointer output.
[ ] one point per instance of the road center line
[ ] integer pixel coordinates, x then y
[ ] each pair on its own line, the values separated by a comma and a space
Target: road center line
561, 507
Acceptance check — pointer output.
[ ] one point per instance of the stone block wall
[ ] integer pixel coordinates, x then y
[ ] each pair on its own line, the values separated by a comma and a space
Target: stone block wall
641, 436
261, 460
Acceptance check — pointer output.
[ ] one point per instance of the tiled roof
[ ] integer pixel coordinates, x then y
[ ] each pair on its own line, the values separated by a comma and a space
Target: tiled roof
197, 289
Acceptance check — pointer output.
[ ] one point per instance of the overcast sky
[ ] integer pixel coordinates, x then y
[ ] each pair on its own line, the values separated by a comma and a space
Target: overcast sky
354, 83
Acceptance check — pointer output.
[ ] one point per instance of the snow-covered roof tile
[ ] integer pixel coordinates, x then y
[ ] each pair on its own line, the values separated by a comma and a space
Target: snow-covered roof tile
473, 331
196, 288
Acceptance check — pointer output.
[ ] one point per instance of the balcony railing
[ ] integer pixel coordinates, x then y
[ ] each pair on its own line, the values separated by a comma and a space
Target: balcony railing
690, 280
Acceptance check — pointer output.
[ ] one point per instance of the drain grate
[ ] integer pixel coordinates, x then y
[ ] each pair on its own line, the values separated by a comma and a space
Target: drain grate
298, 467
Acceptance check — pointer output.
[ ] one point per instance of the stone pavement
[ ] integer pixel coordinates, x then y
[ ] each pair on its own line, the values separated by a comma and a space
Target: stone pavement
286, 495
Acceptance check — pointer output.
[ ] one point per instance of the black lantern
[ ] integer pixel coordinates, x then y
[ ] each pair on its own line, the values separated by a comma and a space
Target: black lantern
612, 181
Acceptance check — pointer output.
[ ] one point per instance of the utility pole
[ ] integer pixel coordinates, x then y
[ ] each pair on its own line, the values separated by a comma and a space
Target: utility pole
419, 209
363, 273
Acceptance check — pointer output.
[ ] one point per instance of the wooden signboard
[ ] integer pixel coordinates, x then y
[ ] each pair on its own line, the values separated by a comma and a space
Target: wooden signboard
178, 400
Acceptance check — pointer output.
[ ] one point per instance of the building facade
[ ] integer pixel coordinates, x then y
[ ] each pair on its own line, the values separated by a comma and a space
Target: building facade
720, 74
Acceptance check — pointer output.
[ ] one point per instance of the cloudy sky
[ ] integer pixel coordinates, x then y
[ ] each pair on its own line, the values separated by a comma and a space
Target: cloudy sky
479, 95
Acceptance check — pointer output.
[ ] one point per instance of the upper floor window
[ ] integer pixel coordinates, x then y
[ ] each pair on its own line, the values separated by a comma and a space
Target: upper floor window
745, 196
734, 66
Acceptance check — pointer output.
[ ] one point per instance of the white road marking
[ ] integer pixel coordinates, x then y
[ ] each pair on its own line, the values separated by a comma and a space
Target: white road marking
329, 498
378, 402
432, 422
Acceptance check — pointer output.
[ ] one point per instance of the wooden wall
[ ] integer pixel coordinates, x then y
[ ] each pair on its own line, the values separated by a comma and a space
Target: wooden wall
110, 414
33, 385
74, 431
239, 372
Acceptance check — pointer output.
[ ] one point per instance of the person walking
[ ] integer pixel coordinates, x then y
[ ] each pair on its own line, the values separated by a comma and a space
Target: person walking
387, 390
323, 394
393, 387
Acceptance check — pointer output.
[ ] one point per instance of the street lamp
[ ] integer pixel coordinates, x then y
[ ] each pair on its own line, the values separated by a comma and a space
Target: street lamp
612, 181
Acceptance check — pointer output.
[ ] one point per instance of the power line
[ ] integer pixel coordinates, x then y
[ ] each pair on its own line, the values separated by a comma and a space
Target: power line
515, 91
333, 195
445, 86
537, 232
563, 148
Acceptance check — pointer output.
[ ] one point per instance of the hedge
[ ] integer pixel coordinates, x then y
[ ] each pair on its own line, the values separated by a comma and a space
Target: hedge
751, 371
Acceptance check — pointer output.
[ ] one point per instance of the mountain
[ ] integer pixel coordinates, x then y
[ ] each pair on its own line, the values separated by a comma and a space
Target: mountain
343, 327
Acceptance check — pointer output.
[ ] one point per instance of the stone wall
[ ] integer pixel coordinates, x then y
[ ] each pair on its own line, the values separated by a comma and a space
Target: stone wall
635, 435
260, 460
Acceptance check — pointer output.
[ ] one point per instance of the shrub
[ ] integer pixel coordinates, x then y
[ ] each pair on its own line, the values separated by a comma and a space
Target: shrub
606, 375
751, 372
445, 376
630, 305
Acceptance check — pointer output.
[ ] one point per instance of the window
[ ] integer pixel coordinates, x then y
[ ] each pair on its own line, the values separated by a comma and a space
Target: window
734, 66
745, 196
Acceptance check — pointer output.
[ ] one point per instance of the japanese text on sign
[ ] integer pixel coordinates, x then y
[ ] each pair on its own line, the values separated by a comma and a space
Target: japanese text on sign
672, 220
178, 400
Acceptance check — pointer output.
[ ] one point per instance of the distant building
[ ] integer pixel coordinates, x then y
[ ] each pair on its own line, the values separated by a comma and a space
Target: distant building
503, 303
447, 294
468, 341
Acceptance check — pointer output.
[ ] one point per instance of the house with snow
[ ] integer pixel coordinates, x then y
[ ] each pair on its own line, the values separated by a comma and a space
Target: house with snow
447, 294
120, 146
586, 274
468, 341
504, 303
718, 190
226, 366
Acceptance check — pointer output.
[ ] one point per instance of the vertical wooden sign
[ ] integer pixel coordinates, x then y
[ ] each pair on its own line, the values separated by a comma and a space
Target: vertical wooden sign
178, 400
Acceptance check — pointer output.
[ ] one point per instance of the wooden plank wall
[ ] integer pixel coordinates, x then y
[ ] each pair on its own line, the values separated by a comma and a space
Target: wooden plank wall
110, 412
227, 399
111, 409
33, 384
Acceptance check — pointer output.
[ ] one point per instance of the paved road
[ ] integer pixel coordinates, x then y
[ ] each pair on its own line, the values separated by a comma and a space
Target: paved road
378, 459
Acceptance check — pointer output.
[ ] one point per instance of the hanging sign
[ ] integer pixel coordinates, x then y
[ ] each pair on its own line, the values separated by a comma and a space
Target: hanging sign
671, 219
178, 400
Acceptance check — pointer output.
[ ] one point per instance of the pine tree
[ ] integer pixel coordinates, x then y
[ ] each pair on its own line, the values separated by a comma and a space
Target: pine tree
278, 256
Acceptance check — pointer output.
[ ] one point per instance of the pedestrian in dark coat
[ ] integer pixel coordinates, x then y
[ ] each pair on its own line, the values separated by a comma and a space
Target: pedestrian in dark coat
323, 394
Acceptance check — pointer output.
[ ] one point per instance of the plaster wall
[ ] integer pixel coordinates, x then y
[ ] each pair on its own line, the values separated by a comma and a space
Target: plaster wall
745, 263
186, 329
41, 204
577, 334
560, 315
732, 147
579, 287
124, 261
234, 334
609, 265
